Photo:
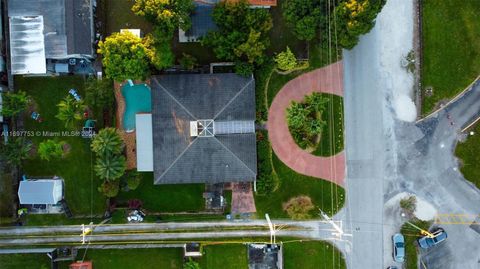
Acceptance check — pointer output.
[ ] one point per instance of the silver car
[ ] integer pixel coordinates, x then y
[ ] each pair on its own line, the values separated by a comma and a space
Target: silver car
398, 248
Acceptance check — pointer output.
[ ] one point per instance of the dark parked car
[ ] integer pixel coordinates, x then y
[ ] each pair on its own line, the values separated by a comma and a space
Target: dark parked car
439, 236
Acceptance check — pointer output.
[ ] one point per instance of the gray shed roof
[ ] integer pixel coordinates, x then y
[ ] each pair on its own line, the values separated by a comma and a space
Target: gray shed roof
68, 24
181, 158
40, 191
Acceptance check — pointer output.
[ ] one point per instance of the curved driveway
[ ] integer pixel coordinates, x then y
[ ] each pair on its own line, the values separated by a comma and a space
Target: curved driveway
328, 79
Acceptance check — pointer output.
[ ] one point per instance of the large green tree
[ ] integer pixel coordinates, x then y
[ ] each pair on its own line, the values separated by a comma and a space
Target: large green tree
167, 14
242, 33
110, 167
355, 18
13, 103
305, 17
70, 111
125, 56
107, 141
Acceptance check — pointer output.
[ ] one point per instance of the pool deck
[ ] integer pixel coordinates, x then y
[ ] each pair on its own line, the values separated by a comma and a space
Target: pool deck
128, 138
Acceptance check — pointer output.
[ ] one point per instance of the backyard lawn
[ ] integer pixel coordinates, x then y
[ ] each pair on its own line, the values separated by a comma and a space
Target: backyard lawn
468, 153
451, 48
76, 168
119, 15
171, 258
6, 197
232, 256
312, 255
166, 198
24, 261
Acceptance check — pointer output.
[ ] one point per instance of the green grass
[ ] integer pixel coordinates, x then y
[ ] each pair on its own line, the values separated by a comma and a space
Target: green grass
468, 152
324, 194
24, 261
312, 255
6, 197
166, 198
331, 141
231, 256
451, 48
411, 234
76, 169
119, 15
146, 258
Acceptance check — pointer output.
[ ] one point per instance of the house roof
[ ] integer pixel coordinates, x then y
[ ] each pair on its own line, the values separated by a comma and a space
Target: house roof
143, 124
181, 158
67, 24
40, 192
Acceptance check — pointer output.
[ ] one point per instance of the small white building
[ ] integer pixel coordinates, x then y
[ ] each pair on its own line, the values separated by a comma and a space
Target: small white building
40, 192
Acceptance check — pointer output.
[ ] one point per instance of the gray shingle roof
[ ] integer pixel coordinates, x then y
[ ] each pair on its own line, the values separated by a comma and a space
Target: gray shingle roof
180, 158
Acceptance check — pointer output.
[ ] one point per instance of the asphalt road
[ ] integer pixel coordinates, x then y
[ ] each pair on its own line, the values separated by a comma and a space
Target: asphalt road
386, 156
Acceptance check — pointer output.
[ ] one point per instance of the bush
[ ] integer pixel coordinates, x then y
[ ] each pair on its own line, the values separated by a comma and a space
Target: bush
110, 167
99, 93
305, 120
299, 207
286, 60
15, 151
191, 264
134, 179
50, 149
70, 112
409, 205
188, 61
243, 69
109, 188
107, 141
305, 17
14, 103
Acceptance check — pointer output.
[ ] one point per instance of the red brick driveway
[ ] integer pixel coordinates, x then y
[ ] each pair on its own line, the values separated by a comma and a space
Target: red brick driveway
328, 79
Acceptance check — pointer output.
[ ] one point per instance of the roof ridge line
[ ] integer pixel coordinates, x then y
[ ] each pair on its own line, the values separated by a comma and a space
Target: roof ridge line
233, 98
175, 161
174, 99
254, 174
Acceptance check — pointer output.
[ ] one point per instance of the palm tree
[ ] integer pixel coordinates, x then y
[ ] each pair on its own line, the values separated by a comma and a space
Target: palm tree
15, 151
110, 167
14, 103
107, 141
70, 111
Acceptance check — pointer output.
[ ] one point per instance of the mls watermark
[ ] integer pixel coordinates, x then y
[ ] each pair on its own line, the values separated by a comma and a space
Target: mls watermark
63, 133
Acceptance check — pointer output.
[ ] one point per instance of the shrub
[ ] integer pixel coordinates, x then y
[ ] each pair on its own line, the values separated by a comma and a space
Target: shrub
243, 69
109, 188
99, 93
305, 17
15, 151
299, 207
14, 103
188, 61
134, 179
190, 264
286, 60
409, 205
165, 14
305, 120
50, 149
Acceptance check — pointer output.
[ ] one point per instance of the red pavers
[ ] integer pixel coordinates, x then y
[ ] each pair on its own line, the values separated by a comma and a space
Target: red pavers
242, 198
328, 79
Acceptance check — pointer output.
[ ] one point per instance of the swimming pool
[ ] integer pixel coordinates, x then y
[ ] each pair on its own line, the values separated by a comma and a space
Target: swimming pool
137, 100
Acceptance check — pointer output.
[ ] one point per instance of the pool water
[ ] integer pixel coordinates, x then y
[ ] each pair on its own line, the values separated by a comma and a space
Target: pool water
137, 100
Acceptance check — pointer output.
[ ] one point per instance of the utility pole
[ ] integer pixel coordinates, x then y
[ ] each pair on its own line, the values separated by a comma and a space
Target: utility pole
339, 231
272, 229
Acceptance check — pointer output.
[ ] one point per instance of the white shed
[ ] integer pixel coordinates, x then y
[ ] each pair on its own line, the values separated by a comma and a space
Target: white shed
40, 192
